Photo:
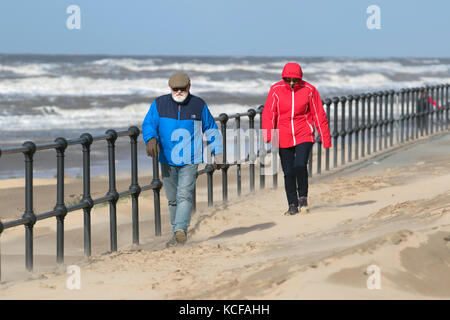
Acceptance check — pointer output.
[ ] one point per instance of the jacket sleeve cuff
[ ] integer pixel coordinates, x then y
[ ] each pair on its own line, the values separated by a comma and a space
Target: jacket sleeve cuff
327, 145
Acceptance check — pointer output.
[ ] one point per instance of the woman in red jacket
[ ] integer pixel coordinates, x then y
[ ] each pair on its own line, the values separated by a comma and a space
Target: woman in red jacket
293, 107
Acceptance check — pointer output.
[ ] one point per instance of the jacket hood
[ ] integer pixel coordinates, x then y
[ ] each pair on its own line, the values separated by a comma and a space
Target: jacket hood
292, 70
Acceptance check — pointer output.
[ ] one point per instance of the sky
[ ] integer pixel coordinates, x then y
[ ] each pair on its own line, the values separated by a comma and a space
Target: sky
408, 28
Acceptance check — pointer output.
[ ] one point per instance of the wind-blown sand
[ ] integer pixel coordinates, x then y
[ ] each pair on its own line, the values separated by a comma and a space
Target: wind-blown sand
389, 213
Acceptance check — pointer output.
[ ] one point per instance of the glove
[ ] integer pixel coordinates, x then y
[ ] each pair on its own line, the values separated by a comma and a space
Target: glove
152, 148
217, 166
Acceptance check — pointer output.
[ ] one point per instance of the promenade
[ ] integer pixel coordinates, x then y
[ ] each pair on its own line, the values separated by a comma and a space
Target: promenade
391, 210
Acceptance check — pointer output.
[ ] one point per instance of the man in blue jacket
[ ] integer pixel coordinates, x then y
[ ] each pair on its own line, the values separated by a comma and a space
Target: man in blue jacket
173, 129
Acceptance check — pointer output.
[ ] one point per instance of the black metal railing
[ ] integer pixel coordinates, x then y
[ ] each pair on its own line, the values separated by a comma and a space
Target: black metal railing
29, 218
373, 122
368, 123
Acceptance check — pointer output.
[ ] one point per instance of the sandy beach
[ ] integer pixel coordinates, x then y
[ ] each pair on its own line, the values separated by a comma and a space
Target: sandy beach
392, 211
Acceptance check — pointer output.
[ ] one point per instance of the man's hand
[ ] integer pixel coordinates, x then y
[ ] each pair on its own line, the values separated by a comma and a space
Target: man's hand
152, 148
218, 162
217, 166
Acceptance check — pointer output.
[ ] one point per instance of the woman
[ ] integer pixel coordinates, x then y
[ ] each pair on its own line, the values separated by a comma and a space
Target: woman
293, 107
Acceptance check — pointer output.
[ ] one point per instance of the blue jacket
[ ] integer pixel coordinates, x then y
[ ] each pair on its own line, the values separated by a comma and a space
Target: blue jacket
178, 128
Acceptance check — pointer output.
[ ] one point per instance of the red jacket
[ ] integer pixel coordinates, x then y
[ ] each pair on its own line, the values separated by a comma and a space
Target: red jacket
294, 112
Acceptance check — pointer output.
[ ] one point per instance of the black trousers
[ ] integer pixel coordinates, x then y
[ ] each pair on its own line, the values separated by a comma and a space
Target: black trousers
294, 162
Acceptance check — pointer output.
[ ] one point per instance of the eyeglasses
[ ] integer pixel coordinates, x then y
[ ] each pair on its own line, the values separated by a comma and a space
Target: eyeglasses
294, 80
179, 89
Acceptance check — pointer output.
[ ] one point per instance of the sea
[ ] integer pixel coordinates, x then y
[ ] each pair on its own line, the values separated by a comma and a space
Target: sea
43, 97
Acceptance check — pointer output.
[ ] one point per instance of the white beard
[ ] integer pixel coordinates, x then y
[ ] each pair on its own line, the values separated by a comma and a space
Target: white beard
180, 97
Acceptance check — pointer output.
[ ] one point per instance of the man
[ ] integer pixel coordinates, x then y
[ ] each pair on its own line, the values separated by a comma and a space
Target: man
173, 129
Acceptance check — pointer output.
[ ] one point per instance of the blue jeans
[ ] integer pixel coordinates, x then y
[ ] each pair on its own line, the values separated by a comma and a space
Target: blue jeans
179, 183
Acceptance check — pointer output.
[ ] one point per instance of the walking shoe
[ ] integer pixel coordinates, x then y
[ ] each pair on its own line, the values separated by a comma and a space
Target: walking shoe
171, 243
293, 209
180, 236
303, 204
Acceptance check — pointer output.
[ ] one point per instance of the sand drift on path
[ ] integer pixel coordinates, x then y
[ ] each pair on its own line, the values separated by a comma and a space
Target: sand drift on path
396, 218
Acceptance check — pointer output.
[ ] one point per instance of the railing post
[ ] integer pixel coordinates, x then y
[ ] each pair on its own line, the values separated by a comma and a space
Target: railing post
209, 175
380, 120
223, 126
327, 151
408, 113
350, 127
2, 227
418, 113
310, 160
252, 157
1, 230
447, 106
386, 118
335, 131
157, 196
262, 151
363, 125
343, 132
357, 126
134, 187
87, 200
237, 153
443, 105
438, 110
402, 117
432, 109
425, 111
375, 121
416, 117
274, 154
29, 215
194, 196
391, 120
319, 155
60, 206
440, 114
112, 192
435, 107
369, 122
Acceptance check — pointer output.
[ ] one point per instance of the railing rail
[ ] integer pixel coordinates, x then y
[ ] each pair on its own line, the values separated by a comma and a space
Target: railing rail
368, 123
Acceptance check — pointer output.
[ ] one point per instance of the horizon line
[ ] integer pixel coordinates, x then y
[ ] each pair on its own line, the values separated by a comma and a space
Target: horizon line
76, 54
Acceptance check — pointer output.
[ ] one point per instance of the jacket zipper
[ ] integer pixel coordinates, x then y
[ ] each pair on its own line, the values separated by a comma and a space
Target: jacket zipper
292, 116
179, 107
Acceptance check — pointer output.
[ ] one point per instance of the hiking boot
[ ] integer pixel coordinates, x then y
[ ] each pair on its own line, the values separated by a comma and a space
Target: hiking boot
303, 204
180, 236
293, 209
171, 243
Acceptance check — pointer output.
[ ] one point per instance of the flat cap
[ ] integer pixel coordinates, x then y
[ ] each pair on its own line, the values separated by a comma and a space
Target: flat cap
179, 80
